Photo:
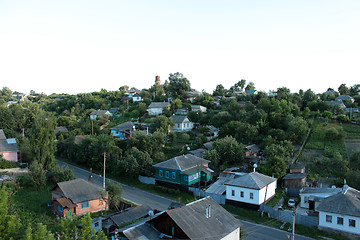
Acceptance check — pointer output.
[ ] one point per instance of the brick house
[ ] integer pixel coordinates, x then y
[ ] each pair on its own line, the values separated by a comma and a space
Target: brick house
77, 197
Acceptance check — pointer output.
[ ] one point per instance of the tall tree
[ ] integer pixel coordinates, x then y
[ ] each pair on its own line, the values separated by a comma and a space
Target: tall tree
42, 139
250, 86
343, 89
178, 85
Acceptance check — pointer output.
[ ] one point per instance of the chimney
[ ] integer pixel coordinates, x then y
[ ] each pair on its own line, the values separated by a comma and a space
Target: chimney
157, 80
208, 212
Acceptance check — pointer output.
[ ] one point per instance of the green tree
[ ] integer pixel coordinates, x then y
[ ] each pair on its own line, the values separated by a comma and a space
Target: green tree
343, 89
242, 132
42, 139
162, 124
37, 174
9, 225
219, 90
178, 85
278, 166
250, 86
114, 193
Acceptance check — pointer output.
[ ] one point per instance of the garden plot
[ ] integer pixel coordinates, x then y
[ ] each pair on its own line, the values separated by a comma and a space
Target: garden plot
352, 145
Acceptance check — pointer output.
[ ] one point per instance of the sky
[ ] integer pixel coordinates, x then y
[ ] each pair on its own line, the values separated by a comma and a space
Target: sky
78, 46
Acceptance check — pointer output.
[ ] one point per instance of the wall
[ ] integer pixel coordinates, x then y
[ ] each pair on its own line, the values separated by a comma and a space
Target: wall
154, 111
233, 235
95, 205
334, 225
270, 192
10, 156
246, 197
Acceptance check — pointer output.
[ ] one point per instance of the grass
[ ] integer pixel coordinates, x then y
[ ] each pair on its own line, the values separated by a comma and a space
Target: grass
280, 193
352, 131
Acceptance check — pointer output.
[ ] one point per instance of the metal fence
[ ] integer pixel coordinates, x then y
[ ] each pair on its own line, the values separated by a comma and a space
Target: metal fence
218, 198
287, 216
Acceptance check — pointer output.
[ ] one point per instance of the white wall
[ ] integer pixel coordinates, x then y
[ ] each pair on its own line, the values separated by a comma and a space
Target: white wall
334, 225
154, 111
184, 127
235, 235
270, 192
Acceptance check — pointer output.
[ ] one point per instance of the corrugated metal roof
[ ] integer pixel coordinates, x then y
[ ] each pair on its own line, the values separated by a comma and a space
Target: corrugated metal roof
5, 146
159, 104
142, 232
124, 126
65, 203
253, 180
182, 163
131, 215
197, 224
179, 118
295, 176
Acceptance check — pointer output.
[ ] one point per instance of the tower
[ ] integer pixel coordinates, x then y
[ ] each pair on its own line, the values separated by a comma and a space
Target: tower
157, 80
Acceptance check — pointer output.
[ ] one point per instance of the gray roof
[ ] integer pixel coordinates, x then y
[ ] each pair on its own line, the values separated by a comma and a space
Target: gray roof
329, 92
192, 219
344, 97
182, 163
142, 232
100, 112
346, 202
61, 129
124, 126
219, 187
312, 190
79, 190
159, 104
8, 145
179, 118
253, 180
297, 166
2, 135
198, 152
334, 103
295, 176
130, 215
253, 148
208, 145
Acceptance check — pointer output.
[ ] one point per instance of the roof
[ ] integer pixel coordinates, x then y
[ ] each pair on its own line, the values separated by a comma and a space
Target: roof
334, 103
100, 112
198, 107
2, 135
346, 202
144, 232
8, 145
79, 190
312, 190
208, 145
130, 215
61, 130
65, 203
252, 180
197, 224
295, 176
253, 148
136, 95
124, 126
297, 166
159, 104
179, 118
249, 92
344, 97
182, 163
331, 91
198, 152
219, 187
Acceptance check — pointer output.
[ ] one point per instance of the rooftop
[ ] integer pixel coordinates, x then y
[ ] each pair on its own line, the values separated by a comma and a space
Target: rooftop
253, 180
182, 163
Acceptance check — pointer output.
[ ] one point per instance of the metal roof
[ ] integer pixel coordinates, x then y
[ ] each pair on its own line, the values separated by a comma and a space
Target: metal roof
124, 126
65, 203
143, 232
79, 190
295, 176
130, 215
253, 180
159, 104
182, 163
2, 135
204, 219
346, 202
8, 145
179, 118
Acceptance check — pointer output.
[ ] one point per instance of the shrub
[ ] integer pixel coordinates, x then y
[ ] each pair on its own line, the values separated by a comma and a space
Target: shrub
7, 164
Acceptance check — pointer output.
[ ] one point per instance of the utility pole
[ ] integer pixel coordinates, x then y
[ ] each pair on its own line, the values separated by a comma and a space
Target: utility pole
199, 178
293, 225
92, 127
104, 170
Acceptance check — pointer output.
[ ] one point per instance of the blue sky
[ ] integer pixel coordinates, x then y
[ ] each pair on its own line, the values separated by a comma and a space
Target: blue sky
83, 46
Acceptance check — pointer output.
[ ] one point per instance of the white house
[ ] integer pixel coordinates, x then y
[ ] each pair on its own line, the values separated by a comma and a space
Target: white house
311, 197
156, 108
196, 108
341, 212
251, 189
182, 123
136, 97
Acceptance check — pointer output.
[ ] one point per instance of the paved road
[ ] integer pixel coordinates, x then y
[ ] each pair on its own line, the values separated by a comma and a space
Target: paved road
137, 196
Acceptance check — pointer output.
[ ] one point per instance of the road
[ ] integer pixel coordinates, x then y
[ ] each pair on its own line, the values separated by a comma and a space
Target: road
137, 196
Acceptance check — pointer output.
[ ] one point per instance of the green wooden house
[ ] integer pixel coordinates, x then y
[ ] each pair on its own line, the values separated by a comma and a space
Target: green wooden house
183, 171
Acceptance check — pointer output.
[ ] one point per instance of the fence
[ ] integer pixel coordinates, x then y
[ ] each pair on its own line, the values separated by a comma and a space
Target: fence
218, 198
287, 216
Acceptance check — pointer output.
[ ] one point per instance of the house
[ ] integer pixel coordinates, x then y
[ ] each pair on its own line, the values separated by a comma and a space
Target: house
250, 190
293, 182
181, 123
125, 100
114, 111
341, 212
181, 111
99, 113
339, 103
156, 108
250, 92
212, 132
297, 168
132, 92
9, 150
117, 220
123, 131
183, 171
344, 97
136, 97
77, 197
331, 92
251, 150
311, 197
196, 108
193, 95
202, 219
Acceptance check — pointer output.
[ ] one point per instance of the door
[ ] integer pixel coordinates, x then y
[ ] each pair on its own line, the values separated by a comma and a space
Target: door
311, 205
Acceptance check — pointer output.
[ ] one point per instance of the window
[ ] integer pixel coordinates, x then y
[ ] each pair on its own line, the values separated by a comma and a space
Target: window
251, 195
160, 173
84, 205
351, 223
167, 174
241, 194
173, 175
96, 224
68, 212
185, 178
306, 199
232, 192
329, 218
60, 208
340, 221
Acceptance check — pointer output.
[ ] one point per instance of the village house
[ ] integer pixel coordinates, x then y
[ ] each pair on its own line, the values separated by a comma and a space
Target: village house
295, 180
311, 197
136, 97
208, 221
123, 131
181, 123
196, 108
250, 189
341, 212
77, 197
99, 113
193, 95
9, 150
345, 98
156, 108
183, 171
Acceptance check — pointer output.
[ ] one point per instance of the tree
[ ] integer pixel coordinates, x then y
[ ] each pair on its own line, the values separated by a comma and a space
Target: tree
9, 225
343, 89
42, 139
114, 194
219, 90
250, 86
175, 104
278, 166
242, 132
308, 97
178, 85
355, 90
162, 124
297, 128
37, 174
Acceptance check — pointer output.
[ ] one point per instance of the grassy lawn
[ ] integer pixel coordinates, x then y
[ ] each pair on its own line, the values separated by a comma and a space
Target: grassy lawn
352, 131
32, 204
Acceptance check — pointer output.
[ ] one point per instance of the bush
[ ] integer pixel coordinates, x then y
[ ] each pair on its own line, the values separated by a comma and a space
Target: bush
37, 174
7, 164
343, 119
